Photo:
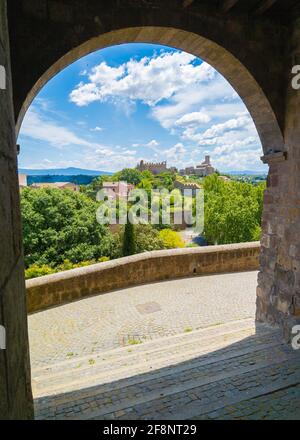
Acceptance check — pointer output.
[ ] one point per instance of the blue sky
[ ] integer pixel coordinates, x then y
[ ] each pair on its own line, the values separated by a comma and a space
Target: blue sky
125, 103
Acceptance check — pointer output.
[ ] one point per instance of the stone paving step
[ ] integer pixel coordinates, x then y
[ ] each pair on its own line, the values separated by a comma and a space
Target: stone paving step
184, 397
196, 398
118, 362
279, 404
108, 373
143, 393
152, 345
201, 339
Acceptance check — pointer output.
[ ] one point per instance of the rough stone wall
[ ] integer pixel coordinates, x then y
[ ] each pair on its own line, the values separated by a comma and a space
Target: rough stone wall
279, 280
52, 290
15, 388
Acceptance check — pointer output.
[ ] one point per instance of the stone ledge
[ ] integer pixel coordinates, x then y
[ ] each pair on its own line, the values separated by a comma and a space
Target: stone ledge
63, 287
272, 157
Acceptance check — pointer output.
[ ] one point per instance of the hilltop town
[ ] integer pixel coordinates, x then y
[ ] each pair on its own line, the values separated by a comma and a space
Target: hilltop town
202, 170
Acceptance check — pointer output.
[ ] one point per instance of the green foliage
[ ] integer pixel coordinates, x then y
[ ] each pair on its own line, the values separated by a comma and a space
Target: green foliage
36, 271
61, 225
232, 211
129, 245
147, 239
61, 231
171, 239
129, 175
92, 189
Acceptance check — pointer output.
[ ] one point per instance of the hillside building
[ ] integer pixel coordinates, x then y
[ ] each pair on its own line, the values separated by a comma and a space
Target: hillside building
203, 170
182, 186
155, 168
58, 185
115, 190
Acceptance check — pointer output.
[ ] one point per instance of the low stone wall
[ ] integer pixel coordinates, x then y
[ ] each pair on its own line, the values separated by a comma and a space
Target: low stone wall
60, 288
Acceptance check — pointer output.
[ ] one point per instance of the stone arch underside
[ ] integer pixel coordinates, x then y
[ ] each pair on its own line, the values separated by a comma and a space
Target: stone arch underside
221, 59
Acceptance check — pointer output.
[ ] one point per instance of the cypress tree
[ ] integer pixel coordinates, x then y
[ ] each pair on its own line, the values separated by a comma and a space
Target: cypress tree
129, 247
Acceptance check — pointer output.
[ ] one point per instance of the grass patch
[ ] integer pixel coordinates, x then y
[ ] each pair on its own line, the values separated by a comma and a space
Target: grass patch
188, 330
134, 342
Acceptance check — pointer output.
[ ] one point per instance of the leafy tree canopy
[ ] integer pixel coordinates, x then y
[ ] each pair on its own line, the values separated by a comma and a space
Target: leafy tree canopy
233, 211
61, 225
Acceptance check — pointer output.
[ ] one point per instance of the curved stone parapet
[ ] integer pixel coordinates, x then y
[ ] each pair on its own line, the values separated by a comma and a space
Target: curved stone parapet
63, 287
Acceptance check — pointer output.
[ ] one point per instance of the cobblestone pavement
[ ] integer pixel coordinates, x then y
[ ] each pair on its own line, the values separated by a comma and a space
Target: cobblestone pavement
232, 371
185, 349
279, 405
139, 314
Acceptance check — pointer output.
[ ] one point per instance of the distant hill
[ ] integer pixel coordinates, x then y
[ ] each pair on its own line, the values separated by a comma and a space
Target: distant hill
63, 172
79, 179
247, 173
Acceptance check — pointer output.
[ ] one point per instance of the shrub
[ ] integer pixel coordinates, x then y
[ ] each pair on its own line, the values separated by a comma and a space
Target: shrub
36, 271
171, 239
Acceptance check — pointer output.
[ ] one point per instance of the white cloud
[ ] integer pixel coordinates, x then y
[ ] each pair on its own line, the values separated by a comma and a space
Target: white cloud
237, 145
149, 80
231, 124
40, 128
175, 88
90, 155
130, 152
152, 143
239, 160
208, 95
97, 129
194, 118
176, 154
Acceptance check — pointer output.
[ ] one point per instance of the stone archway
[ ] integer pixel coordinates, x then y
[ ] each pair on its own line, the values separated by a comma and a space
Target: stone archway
254, 51
222, 60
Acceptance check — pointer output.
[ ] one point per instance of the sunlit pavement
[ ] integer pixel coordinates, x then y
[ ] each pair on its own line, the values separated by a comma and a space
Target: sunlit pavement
139, 314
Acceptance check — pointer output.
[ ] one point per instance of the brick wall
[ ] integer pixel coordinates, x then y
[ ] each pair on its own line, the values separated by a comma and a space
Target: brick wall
278, 292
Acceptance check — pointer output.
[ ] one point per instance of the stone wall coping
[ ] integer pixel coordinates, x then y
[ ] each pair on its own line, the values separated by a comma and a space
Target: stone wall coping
74, 273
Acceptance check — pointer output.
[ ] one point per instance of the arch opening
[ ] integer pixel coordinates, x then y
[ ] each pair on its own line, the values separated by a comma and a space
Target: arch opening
250, 253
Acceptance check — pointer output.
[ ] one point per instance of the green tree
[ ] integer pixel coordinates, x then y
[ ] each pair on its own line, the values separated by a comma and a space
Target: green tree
129, 175
61, 225
129, 246
232, 211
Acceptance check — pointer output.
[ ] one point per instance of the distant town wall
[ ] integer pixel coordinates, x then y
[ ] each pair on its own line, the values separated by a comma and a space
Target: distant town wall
60, 288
